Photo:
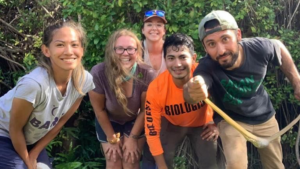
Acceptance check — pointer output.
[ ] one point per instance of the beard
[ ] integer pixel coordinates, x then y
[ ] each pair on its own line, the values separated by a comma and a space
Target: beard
229, 64
184, 76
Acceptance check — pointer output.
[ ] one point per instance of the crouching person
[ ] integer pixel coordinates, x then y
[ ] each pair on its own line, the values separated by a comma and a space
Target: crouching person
168, 118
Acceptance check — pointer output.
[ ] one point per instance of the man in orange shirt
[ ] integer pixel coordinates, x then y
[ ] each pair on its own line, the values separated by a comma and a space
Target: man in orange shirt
168, 118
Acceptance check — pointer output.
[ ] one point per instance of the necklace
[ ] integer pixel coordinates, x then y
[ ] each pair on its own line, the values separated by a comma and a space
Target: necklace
132, 71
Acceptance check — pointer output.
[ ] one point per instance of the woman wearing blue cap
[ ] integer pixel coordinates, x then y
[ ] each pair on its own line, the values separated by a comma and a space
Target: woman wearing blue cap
153, 31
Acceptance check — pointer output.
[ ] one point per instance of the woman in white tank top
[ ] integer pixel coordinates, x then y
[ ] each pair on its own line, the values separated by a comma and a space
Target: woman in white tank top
153, 31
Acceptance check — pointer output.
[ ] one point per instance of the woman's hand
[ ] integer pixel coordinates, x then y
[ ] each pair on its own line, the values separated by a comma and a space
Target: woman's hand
210, 132
131, 150
31, 164
32, 159
113, 151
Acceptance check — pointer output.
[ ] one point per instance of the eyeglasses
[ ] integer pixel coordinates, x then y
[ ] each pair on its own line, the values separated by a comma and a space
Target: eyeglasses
159, 13
120, 50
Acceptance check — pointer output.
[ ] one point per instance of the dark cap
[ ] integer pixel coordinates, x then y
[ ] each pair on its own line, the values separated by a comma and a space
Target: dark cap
225, 19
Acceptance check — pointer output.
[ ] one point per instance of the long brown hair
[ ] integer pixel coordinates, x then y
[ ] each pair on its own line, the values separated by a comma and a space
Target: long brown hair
113, 69
78, 74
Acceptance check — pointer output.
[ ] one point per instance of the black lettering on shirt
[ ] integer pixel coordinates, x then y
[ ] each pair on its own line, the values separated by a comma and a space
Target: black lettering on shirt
178, 109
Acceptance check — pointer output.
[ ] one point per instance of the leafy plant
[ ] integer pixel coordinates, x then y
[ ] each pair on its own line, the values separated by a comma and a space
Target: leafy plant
179, 163
29, 61
69, 165
289, 138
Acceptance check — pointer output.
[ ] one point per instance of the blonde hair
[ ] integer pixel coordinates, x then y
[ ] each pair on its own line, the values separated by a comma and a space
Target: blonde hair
113, 68
78, 74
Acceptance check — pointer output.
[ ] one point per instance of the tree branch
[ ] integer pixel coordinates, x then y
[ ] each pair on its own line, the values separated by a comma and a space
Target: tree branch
14, 50
79, 18
5, 84
17, 17
290, 21
13, 61
12, 28
45, 9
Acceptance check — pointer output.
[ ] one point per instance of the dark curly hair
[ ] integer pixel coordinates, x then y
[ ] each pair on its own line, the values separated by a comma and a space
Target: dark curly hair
176, 41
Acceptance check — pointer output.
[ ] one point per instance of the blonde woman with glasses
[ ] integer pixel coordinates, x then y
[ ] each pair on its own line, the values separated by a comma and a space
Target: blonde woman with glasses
119, 100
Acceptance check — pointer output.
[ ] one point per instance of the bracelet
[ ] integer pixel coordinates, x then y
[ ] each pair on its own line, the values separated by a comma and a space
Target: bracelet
134, 136
115, 140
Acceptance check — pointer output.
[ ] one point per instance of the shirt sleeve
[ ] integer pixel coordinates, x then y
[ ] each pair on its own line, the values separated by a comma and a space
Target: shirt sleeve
203, 69
29, 90
153, 121
267, 50
149, 76
97, 79
276, 53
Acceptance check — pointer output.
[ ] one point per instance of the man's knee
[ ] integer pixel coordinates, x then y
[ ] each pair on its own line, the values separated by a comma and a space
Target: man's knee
169, 158
236, 158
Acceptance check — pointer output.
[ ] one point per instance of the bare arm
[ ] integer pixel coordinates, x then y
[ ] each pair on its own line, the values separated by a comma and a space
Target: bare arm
153, 127
98, 103
130, 147
140, 120
160, 161
17, 122
42, 143
289, 69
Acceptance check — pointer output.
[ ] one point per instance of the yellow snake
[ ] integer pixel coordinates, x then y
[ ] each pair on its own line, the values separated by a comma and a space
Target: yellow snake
258, 142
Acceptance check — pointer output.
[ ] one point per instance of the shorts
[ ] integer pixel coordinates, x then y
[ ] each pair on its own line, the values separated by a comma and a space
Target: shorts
10, 159
123, 129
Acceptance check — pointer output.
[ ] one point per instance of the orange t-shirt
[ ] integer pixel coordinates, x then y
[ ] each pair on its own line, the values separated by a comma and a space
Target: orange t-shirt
165, 99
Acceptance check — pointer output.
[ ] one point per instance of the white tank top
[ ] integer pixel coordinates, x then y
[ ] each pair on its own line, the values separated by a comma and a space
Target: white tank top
147, 60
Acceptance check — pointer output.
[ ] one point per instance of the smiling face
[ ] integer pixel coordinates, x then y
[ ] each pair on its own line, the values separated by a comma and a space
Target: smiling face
126, 59
65, 50
179, 62
223, 47
154, 29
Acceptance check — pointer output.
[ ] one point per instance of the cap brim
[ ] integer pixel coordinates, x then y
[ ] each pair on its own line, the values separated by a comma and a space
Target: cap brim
155, 16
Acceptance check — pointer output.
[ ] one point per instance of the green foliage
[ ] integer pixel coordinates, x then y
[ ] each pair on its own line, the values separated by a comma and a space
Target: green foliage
179, 163
29, 61
69, 165
76, 148
117, 14
77, 141
291, 39
3, 2
182, 16
20, 36
51, 145
68, 156
289, 138
37, 40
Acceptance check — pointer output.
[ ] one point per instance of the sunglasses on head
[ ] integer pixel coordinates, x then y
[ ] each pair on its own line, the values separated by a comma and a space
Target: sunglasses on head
159, 13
